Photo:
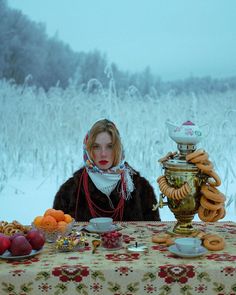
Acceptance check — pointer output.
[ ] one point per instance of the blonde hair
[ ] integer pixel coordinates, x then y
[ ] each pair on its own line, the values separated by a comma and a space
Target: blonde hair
105, 125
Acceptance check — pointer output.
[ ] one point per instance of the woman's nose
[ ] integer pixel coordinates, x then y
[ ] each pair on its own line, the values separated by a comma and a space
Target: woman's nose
103, 151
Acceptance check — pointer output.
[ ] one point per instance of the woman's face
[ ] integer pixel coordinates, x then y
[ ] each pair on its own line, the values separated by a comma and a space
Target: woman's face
102, 151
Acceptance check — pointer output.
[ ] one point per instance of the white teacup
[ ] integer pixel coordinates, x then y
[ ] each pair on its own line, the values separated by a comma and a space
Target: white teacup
101, 223
188, 245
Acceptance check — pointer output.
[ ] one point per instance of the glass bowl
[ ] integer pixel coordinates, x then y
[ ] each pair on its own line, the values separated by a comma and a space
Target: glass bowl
53, 233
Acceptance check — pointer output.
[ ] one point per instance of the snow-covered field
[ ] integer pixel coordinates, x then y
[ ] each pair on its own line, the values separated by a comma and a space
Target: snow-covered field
41, 139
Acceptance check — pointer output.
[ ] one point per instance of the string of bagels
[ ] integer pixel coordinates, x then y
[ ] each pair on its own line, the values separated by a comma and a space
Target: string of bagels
212, 201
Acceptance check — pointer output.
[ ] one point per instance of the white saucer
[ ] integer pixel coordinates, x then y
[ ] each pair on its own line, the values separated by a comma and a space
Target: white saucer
91, 229
202, 250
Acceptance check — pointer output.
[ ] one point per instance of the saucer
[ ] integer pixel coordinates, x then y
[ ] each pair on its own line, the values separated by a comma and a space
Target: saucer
201, 251
92, 229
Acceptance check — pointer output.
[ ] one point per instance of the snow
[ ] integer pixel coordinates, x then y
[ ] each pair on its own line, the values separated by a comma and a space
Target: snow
41, 140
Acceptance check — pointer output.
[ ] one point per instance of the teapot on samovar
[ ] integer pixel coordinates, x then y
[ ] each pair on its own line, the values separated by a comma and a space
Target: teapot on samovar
189, 179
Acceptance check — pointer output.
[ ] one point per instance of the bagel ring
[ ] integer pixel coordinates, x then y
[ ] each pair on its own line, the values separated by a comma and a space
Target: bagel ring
215, 176
205, 203
219, 214
212, 193
205, 214
204, 167
167, 157
7, 230
200, 159
161, 238
195, 154
160, 178
213, 242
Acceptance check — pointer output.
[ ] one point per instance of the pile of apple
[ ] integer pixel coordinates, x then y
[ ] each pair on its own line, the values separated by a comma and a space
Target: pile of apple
20, 244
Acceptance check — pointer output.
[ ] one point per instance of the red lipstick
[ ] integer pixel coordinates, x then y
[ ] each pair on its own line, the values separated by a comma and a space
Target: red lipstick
103, 162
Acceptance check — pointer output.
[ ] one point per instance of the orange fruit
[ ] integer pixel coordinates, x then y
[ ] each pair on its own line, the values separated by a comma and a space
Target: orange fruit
67, 218
58, 215
49, 211
62, 226
48, 223
37, 221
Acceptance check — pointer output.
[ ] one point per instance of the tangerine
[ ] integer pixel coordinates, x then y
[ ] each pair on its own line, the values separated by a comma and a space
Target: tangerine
62, 226
49, 212
58, 215
68, 218
48, 223
37, 221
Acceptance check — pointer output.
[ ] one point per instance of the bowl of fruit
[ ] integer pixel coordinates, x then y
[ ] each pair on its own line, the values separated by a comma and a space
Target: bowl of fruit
53, 224
21, 245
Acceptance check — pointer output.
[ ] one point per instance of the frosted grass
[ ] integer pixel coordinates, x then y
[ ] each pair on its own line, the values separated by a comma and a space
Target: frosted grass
41, 134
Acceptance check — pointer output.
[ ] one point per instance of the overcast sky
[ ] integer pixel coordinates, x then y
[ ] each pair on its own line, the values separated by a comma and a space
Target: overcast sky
176, 38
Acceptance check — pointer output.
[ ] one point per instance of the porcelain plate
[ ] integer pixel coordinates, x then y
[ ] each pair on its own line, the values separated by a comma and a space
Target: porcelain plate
174, 250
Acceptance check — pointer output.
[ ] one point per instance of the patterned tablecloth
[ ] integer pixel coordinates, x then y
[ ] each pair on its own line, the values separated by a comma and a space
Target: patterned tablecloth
126, 273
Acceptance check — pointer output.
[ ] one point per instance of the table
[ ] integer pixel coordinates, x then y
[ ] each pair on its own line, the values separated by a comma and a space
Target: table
126, 273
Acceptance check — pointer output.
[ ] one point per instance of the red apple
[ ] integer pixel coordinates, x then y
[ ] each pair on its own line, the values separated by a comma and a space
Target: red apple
5, 243
20, 246
15, 235
36, 239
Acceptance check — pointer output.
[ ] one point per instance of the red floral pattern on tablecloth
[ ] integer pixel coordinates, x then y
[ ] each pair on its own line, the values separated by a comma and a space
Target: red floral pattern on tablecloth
201, 288
71, 272
127, 238
176, 273
25, 262
17, 272
123, 256
45, 287
124, 270
221, 257
157, 228
96, 287
230, 228
159, 247
150, 289
229, 271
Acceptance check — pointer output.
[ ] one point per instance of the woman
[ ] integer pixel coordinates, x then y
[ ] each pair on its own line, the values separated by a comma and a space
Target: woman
106, 185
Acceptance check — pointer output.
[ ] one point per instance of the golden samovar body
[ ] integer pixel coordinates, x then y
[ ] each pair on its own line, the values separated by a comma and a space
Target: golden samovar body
177, 172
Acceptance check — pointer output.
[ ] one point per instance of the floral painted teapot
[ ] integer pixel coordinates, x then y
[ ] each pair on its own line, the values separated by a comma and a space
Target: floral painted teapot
187, 133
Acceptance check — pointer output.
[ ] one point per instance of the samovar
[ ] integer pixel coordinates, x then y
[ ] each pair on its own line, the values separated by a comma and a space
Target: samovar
178, 172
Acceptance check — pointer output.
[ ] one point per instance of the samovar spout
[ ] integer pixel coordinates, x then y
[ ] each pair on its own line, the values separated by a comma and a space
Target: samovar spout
161, 203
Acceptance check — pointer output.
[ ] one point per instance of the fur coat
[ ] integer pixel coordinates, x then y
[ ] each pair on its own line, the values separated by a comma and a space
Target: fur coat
137, 208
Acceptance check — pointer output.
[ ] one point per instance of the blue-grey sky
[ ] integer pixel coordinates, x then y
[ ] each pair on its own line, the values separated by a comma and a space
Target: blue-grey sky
176, 38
